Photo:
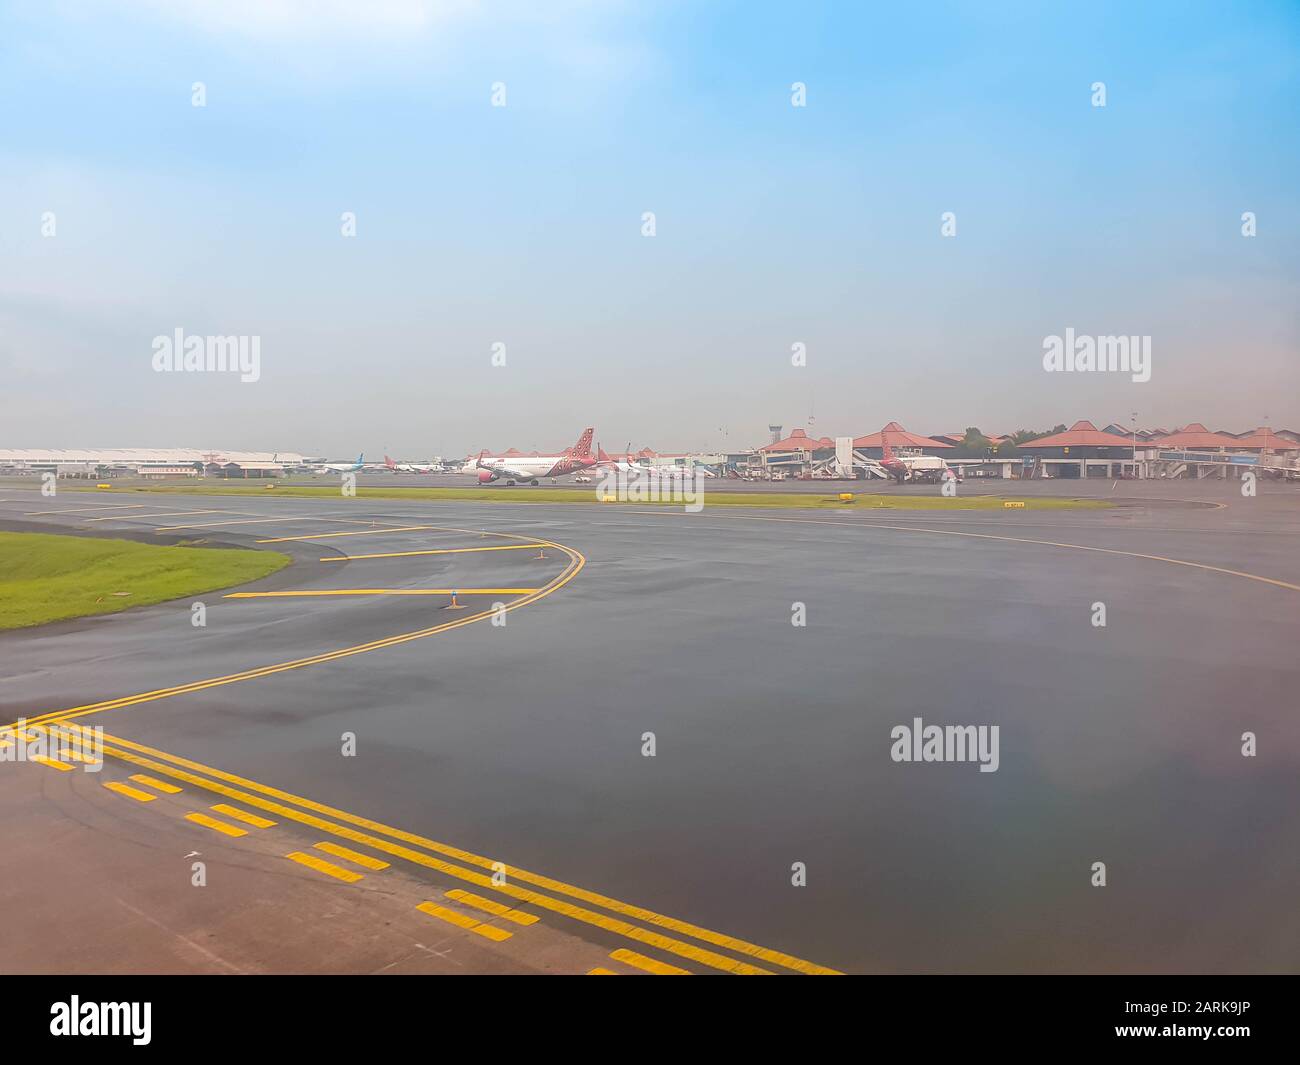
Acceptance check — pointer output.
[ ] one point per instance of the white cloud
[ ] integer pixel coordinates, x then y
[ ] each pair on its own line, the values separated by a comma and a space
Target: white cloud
270, 19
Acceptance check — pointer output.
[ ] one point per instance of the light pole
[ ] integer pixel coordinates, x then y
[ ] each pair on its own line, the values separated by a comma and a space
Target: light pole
1133, 420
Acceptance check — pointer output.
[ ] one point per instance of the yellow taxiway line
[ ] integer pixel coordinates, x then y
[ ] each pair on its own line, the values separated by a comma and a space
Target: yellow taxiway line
470, 924
650, 965
255, 521
154, 782
496, 909
576, 562
322, 866
242, 815
355, 532
92, 510
215, 825
260, 796
141, 517
384, 591
364, 860
129, 792
440, 551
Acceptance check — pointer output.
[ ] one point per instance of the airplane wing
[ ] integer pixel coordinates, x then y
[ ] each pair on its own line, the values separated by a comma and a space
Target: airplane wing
505, 471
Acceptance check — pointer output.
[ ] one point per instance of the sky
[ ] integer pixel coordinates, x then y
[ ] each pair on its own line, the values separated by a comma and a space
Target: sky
126, 213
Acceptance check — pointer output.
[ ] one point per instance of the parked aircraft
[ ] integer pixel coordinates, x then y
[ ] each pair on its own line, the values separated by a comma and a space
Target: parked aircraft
412, 467
929, 469
346, 467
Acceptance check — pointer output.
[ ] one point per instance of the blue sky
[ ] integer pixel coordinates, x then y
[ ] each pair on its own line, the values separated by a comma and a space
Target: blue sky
521, 224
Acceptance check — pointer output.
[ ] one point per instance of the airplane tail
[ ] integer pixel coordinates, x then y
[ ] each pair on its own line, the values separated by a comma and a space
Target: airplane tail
389, 462
582, 449
478, 462
886, 452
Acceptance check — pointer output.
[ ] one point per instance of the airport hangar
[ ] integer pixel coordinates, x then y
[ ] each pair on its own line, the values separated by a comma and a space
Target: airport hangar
149, 463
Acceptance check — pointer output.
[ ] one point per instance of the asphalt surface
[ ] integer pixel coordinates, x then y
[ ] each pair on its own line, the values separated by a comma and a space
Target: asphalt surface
522, 742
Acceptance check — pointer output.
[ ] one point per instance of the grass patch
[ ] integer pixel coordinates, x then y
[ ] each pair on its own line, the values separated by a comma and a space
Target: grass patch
827, 500
53, 578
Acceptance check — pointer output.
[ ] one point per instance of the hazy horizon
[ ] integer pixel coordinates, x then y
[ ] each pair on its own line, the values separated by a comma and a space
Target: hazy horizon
522, 224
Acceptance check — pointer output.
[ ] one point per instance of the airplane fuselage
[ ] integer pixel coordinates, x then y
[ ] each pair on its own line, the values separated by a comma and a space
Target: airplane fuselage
929, 468
532, 468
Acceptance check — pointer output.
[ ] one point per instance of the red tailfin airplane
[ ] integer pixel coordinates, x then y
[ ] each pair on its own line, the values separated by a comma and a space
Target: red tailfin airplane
912, 467
531, 468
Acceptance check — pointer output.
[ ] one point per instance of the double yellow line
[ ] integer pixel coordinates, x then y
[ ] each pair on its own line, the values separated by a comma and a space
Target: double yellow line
620, 918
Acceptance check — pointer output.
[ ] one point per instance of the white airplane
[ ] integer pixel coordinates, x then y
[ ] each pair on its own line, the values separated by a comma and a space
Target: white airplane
530, 469
651, 469
346, 467
412, 467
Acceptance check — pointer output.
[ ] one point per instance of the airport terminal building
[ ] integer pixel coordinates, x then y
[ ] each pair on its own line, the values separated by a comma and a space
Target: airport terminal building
1194, 452
1082, 450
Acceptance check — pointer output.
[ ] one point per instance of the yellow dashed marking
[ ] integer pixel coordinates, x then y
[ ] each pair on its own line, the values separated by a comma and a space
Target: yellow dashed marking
482, 880
618, 925
601, 972
351, 855
161, 785
487, 931
62, 767
241, 815
650, 965
215, 825
128, 791
494, 908
322, 866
